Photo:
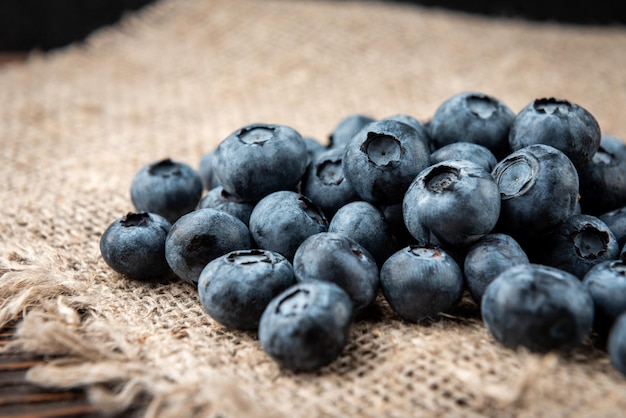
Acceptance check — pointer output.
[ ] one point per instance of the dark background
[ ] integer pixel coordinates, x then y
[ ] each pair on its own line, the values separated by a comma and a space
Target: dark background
49, 24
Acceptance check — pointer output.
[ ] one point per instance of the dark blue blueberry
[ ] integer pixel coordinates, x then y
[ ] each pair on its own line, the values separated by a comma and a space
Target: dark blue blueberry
475, 153
382, 159
339, 259
282, 220
134, 245
218, 198
456, 200
423, 134
307, 326
616, 221
538, 307
166, 187
259, 159
576, 245
564, 125
473, 117
421, 282
616, 346
200, 237
235, 288
325, 184
539, 189
366, 224
206, 170
606, 282
603, 180
487, 258
346, 129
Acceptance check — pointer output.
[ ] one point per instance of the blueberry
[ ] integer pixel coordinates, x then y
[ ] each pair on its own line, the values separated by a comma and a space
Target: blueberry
307, 326
282, 220
562, 124
616, 346
473, 117
487, 258
339, 259
539, 189
236, 287
616, 221
347, 128
382, 159
456, 200
538, 307
606, 282
603, 180
473, 152
366, 224
577, 244
206, 170
134, 245
218, 198
325, 183
166, 187
421, 282
201, 236
259, 159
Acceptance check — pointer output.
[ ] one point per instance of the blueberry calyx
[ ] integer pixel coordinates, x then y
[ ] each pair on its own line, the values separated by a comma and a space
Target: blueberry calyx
164, 168
330, 172
256, 134
132, 219
382, 150
516, 175
442, 178
552, 106
248, 257
294, 303
589, 242
424, 251
357, 252
482, 106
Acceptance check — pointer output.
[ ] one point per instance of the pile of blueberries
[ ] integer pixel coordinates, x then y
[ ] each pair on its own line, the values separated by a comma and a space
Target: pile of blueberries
279, 233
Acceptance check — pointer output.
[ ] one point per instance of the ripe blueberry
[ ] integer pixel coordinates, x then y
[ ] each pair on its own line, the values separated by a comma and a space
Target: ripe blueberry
456, 200
539, 189
201, 236
473, 117
382, 159
282, 220
560, 123
166, 187
236, 287
487, 258
306, 326
538, 307
339, 259
259, 159
134, 246
366, 224
421, 282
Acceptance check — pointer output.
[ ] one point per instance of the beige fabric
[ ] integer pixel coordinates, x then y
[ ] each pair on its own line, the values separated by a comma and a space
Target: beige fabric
177, 78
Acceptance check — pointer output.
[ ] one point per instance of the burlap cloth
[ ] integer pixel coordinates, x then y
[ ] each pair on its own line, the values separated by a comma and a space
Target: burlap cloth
174, 80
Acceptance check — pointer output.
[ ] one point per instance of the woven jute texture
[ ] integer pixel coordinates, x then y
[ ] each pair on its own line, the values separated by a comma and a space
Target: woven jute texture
173, 81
